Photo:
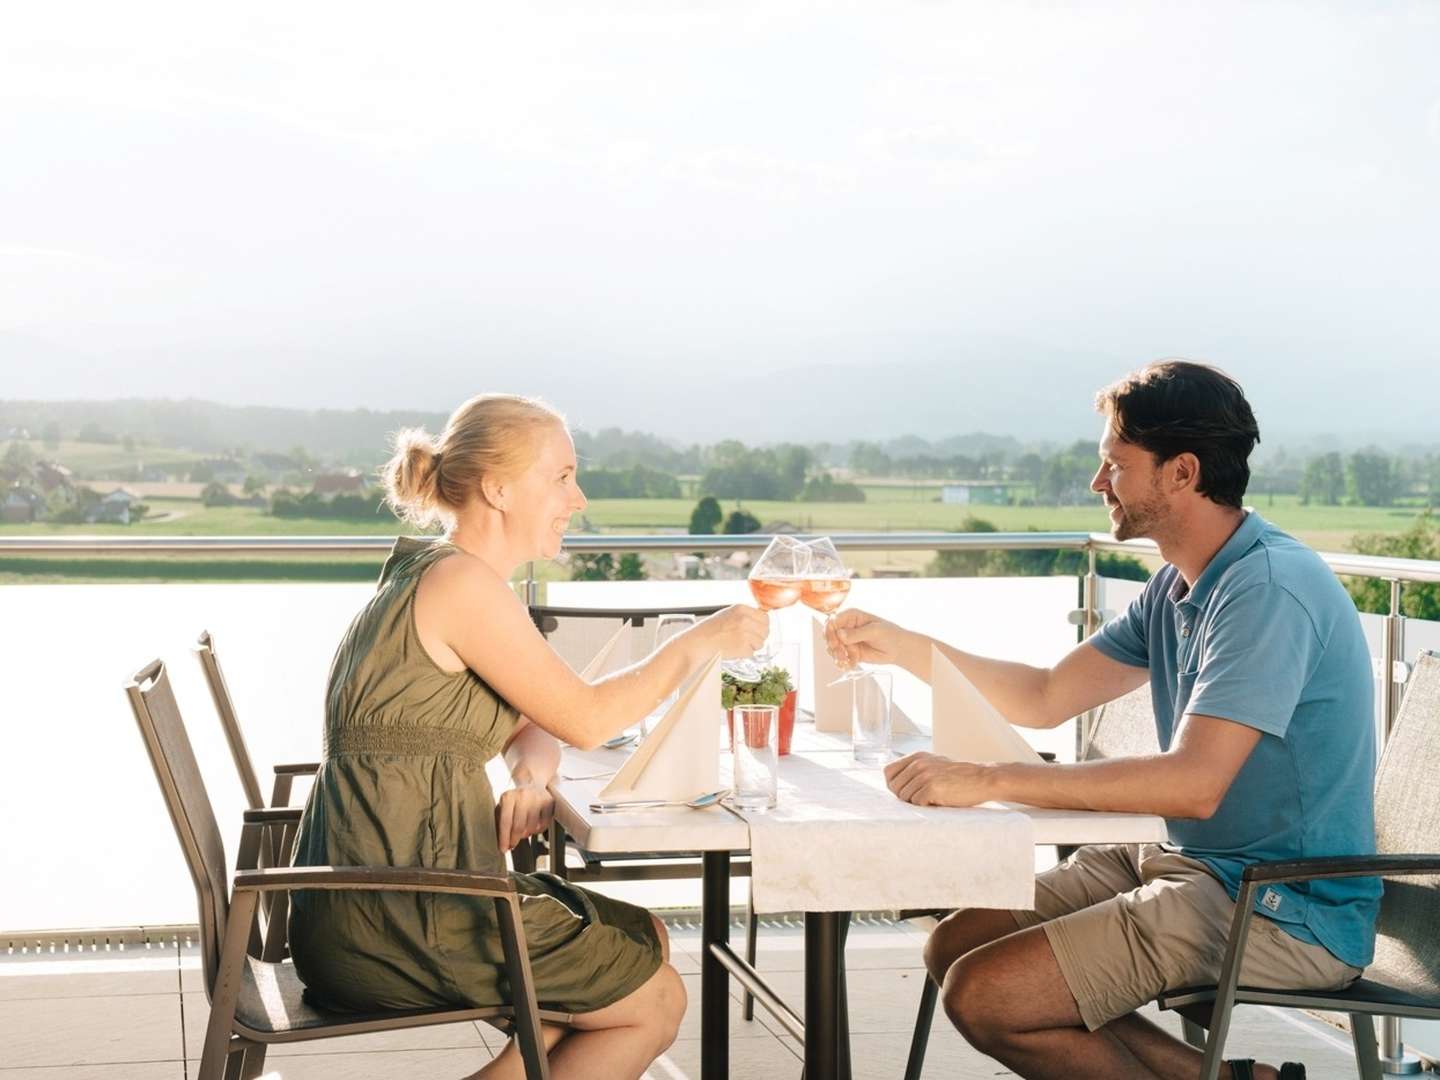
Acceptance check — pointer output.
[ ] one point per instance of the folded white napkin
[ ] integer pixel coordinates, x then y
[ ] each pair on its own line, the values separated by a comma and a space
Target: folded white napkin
680, 758
611, 657
834, 701
965, 726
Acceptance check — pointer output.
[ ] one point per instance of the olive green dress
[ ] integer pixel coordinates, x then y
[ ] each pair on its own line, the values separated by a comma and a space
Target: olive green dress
402, 783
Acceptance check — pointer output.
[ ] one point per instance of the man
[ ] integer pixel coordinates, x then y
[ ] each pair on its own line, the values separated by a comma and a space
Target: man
1261, 683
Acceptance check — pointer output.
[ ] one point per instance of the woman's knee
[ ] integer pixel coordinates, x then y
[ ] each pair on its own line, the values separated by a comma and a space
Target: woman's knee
670, 1003
664, 936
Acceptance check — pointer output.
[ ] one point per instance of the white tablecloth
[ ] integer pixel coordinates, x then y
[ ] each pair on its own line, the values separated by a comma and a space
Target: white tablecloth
839, 841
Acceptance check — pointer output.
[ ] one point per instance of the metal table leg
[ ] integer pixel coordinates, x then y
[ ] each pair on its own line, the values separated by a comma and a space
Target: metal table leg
714, 978
825, 1059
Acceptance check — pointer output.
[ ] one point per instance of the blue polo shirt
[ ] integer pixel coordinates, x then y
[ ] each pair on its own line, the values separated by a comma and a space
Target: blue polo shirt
1269, 638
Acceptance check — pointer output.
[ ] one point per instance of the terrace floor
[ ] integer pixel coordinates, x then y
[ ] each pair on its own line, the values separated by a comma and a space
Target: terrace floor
139, 1014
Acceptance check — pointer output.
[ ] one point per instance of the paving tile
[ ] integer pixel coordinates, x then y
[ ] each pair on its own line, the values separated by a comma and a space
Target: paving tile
155, 1070
384, 1065
750, 1059
739, 1028
91, 1030
439, 1037
93, 973
881, 1000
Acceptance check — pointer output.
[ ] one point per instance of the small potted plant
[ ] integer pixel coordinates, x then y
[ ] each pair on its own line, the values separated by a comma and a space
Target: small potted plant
774, 688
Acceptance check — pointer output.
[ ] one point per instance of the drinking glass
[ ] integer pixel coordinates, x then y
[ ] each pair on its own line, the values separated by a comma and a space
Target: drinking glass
870, 716
757, 760
827, 584
775, 582
667, 625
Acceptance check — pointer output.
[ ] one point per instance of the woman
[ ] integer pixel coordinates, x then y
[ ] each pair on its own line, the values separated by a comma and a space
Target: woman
441, 671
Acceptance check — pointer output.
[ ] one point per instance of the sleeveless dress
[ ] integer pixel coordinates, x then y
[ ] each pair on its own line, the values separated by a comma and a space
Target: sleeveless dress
402, 783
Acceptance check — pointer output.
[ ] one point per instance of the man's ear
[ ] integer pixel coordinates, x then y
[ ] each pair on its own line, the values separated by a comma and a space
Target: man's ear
495, 493
1184, 470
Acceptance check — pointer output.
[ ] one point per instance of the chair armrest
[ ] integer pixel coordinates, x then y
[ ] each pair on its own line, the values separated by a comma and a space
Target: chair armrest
1341, 867
298, 768
279, 815
375, 878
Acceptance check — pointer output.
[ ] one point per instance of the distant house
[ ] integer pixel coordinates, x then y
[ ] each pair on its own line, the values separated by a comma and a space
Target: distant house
976, 493
113, 509
22, 505
21, 433
51, 475
331, 484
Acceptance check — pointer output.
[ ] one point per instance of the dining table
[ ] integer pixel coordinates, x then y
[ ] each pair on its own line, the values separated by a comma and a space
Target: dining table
836, 842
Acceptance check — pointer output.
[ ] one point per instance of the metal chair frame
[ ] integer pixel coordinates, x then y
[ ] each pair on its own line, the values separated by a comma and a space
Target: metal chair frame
256, 999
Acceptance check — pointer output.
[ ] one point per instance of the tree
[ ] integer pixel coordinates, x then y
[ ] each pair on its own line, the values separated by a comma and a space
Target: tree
706, 516
869, 460
51, 436
19, 456
630, 568
592, 567
961, 563
1418, 600
1370, 478
254, 484
1323, 480
216, 494
740, 522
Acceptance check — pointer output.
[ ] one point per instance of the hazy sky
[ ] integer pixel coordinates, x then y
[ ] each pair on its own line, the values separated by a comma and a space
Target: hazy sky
724, 218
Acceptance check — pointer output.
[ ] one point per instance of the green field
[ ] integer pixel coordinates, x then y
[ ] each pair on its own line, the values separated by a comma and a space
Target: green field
887, 509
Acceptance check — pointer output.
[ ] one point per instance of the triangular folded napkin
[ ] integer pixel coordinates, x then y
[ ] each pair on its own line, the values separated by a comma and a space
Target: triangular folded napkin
965, 726
680, 758
834, 700
611, 657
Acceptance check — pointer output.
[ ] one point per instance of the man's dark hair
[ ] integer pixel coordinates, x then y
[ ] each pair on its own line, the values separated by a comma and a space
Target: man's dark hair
1174, 407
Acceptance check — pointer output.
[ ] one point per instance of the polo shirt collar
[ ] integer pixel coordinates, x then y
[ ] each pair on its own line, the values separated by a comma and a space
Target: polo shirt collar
1241, 541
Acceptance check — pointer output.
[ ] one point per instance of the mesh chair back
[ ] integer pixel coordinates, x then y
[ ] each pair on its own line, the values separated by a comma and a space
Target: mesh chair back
225, 708
578, 634
1123, 728
1407, 819
173, 760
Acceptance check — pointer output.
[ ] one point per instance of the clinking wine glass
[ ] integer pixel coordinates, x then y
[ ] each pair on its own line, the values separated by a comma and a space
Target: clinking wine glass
826, 585
776, 581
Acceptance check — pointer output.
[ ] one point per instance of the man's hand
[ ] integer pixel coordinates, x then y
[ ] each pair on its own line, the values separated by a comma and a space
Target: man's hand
931, 780
854, 637
522, 811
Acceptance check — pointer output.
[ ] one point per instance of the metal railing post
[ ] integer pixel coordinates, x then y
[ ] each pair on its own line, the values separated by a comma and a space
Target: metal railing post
532, 587
1090, 606
1393, 1058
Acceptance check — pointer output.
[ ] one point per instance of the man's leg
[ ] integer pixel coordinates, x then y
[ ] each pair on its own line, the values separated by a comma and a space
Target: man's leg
1010, 1000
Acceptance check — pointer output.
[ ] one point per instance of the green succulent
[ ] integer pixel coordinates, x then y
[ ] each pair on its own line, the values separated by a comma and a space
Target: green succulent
774, 684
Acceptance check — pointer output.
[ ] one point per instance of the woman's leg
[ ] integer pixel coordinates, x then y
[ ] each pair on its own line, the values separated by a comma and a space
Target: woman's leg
620, 1040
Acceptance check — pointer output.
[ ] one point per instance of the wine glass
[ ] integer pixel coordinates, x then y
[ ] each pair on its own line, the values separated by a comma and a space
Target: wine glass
776, 581
826, 585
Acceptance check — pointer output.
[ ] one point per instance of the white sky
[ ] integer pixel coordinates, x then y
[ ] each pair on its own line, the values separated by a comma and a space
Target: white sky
634, 206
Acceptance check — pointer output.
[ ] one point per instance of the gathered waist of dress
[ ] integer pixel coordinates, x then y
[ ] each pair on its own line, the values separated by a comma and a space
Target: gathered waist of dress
407, 740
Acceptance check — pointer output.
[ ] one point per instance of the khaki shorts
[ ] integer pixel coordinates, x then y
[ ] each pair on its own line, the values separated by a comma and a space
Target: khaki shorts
1127, 922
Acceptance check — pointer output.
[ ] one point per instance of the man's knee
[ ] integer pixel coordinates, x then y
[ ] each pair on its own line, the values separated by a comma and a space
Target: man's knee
961, 932
968, 997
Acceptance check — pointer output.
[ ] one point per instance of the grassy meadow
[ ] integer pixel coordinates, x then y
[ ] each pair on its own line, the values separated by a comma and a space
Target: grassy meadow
888, 508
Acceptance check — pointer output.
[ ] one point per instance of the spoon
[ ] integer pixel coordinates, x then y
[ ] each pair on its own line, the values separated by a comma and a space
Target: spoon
710, 798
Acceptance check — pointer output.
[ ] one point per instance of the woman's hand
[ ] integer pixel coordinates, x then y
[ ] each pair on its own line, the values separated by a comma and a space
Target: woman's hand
522, 811
733, 631
931, 780
855, 637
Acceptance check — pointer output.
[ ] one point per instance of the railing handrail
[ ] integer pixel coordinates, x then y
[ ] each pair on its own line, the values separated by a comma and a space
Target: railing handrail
1347, 563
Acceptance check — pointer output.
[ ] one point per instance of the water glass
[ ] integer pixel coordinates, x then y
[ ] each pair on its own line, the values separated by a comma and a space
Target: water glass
757, 760
667, 625
870, 716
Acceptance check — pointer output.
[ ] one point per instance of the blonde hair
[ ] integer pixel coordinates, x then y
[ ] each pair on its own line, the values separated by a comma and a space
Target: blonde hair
428, 480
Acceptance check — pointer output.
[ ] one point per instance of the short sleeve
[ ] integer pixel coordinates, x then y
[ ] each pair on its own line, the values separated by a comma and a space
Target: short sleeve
1125, 638
1260, 651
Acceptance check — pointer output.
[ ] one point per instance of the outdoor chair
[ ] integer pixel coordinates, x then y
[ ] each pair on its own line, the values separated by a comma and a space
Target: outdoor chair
225, 707
257, 1000
1404, 979
577, 634
1121, 728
